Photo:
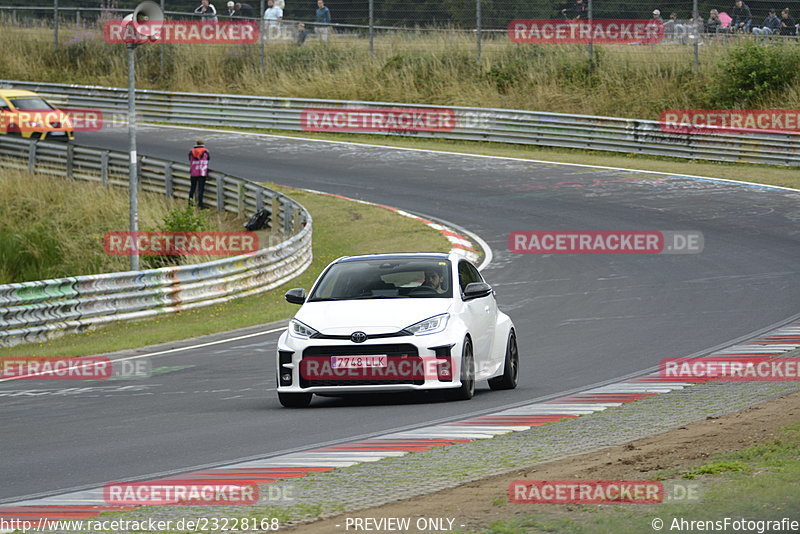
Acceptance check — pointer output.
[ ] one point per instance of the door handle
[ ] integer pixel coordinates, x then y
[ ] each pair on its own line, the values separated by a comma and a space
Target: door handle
486, 309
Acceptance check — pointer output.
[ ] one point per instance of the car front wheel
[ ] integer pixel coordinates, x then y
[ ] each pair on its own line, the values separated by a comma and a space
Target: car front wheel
508, 380
295, 400
467, 389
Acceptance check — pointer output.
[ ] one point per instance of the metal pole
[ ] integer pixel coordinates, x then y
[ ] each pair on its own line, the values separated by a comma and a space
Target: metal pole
371, 28
591, 47
133, 175
261, 37
55, 24
478, 27
697, 32
161, 51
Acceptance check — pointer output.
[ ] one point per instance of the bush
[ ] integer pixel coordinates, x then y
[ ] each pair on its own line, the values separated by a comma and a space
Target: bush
752, 71
185, 219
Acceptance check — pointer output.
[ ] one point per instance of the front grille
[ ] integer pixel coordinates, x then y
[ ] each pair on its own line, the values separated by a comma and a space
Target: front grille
395, 353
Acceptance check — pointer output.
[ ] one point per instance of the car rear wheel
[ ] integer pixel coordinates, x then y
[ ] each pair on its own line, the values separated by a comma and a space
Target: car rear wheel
508, 380
295, 400
467, 389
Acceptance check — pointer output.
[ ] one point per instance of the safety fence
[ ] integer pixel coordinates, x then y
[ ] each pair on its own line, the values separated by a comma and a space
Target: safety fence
479, 124
40, 310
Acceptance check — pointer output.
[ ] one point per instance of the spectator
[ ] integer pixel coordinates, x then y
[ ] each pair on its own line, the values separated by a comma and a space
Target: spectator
788, 25
245, 10
206, 11
272, 16
273, 13
657, 17
575, 11
713, 24
302, 33
198, 172
770, 25
323, 18
231, 9
742, 18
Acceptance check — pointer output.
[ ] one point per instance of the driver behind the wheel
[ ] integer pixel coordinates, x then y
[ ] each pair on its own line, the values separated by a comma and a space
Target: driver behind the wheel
435, 280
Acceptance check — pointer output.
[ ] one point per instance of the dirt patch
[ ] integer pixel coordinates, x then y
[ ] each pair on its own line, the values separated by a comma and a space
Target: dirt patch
476, 504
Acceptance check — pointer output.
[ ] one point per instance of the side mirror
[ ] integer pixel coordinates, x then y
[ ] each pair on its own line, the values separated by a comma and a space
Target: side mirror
476, 290
296, 295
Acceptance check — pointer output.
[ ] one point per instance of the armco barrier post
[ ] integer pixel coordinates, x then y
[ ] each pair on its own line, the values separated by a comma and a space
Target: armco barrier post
240, 199
221, 193
168, 185
104, 167
32, 156
275, 215
70, 160
55, 24
259, 199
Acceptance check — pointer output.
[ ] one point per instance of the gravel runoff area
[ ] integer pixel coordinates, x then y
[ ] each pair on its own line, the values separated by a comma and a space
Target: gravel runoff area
372, 484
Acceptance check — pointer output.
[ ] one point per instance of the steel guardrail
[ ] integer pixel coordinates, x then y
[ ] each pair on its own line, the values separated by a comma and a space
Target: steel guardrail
40, 310
560, 130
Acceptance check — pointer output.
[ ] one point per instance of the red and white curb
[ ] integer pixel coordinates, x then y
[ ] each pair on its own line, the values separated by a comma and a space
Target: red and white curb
90, 503
460, 244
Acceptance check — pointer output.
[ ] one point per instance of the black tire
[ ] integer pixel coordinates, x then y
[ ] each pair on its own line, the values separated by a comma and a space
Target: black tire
508, 380
467, 389
295, 400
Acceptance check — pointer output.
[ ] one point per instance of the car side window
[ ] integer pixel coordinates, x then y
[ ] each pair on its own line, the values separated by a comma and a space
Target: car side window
467, 274
3, 105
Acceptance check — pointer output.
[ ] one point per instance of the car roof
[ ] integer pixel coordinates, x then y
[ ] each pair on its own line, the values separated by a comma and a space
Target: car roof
16, 92
396, 256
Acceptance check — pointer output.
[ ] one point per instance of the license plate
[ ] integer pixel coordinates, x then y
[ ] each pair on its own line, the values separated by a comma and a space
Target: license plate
57, 133
358, 362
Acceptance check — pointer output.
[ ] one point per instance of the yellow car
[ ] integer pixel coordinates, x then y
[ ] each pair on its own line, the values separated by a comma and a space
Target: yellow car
27, 114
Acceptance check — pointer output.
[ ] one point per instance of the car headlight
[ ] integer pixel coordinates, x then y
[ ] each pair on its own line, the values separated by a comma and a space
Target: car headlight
33, 125
431, 325
300, 330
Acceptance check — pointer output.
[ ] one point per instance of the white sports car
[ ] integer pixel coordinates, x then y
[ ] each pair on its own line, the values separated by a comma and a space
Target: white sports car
395, 322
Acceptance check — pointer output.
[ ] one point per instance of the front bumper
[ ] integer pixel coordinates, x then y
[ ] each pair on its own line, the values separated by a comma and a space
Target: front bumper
305, 361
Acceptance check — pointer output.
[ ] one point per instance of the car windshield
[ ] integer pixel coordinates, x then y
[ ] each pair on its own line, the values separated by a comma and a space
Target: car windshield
385, 279
29, 102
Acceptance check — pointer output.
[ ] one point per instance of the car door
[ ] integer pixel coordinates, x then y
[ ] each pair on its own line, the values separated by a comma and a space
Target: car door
479, 314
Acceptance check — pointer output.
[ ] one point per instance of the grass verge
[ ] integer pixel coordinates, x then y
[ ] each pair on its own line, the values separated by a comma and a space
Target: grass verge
51, 228
758, 483
341, 228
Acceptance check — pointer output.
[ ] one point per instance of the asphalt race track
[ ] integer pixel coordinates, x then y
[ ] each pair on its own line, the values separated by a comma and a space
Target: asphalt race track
581, 319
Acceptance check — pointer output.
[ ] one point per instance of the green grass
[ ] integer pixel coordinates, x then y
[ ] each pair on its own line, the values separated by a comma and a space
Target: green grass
756, 483
433, 68
51, 228
341, 228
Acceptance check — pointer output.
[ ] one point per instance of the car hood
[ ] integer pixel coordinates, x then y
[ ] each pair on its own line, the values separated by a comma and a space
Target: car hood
382, 316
